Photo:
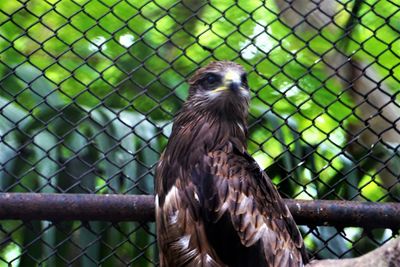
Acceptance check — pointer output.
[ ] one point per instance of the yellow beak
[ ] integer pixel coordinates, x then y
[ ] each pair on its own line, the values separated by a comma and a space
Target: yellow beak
230, 78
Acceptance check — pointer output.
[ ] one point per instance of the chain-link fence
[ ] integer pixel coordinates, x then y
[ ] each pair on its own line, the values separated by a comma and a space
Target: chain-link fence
89, 89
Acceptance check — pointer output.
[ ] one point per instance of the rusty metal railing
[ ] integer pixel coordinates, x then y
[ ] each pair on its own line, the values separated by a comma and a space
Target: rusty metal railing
112, 207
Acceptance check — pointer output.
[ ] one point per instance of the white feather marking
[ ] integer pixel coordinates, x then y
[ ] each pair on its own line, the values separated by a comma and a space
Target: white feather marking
259, 233
208, 258
222, 210
212, 94
174, 217
244, 204
196, 197
157, 203
184, 241
191, 253
172, 195
159, 163
244, 92
240, 126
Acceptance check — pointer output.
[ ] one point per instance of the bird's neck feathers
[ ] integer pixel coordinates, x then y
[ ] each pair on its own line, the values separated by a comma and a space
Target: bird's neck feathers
195, 133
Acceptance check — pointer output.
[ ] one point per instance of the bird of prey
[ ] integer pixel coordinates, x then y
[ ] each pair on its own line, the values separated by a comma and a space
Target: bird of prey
214, 205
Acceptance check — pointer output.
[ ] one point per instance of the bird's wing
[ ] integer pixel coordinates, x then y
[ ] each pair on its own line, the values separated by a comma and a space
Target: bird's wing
244, 215
181, 237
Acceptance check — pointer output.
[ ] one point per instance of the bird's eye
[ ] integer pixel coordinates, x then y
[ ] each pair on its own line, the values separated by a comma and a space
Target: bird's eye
211, 79
243, 79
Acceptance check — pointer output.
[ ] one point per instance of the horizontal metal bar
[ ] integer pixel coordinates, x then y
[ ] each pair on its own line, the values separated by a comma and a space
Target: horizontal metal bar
84, 207
341, 213
90, 207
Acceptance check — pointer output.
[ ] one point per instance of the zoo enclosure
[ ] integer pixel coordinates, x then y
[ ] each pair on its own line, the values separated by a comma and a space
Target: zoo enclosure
89, 89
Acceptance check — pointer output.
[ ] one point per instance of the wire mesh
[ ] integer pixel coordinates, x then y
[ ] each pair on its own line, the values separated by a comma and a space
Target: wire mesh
89, 89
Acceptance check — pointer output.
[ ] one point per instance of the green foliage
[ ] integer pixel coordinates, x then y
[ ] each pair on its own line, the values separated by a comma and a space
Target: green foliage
89, 88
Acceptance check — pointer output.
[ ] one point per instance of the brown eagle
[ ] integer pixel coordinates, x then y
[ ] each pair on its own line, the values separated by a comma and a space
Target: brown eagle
214, 205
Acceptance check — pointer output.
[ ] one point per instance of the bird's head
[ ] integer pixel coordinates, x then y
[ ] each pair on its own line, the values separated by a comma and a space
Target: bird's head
220, 87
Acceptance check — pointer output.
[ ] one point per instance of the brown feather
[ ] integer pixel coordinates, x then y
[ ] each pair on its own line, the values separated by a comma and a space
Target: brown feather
214, 206
252, 202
